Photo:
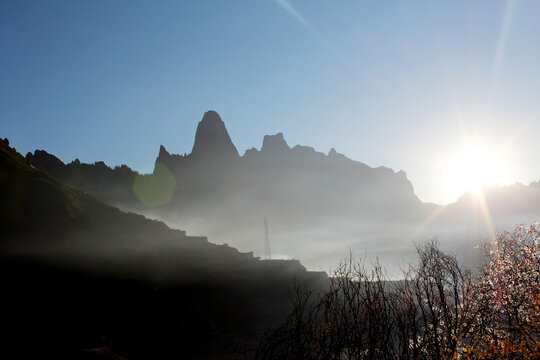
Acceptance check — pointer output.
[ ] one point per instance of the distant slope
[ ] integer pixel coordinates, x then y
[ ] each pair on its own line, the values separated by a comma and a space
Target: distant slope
501, 202
77, 272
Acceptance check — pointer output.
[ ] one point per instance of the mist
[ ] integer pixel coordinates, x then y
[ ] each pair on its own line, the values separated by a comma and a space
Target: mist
320, 207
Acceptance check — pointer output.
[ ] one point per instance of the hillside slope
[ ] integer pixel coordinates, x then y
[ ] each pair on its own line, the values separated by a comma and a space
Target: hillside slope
81, 275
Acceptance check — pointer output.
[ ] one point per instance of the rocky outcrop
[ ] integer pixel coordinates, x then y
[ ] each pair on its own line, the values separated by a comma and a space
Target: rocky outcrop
47, 162
212, 139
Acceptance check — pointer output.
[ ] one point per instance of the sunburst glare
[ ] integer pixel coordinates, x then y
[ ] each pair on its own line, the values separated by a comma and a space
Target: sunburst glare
472, 170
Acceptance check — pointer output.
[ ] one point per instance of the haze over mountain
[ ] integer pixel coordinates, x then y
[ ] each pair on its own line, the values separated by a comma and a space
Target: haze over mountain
318, 205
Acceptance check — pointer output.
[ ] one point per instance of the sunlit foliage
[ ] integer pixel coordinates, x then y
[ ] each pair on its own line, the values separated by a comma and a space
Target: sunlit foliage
505, 299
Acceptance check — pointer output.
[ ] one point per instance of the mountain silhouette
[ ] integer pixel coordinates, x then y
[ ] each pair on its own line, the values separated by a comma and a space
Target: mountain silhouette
214, 168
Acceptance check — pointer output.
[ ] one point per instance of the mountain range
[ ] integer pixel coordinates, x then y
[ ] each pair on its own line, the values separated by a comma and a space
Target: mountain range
318, 205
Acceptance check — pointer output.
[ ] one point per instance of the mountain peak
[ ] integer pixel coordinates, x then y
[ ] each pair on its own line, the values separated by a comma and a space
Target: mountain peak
274, 143
212, 138
163, 152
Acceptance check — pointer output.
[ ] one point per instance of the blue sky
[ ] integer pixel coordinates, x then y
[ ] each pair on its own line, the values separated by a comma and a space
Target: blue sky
402, 84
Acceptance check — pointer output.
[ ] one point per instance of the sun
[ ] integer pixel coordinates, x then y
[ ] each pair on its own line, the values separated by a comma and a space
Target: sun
472, 170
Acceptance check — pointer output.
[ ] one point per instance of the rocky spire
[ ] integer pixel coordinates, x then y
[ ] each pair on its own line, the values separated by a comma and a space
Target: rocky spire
212, 138
163, 153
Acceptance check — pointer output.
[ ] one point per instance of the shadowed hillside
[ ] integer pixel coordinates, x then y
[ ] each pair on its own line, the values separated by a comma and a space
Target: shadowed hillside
80, 276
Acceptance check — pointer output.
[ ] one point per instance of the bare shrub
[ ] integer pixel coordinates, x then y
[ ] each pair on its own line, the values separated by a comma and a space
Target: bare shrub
365, 315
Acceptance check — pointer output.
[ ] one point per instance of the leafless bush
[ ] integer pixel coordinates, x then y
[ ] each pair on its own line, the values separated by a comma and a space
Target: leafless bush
365, 315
